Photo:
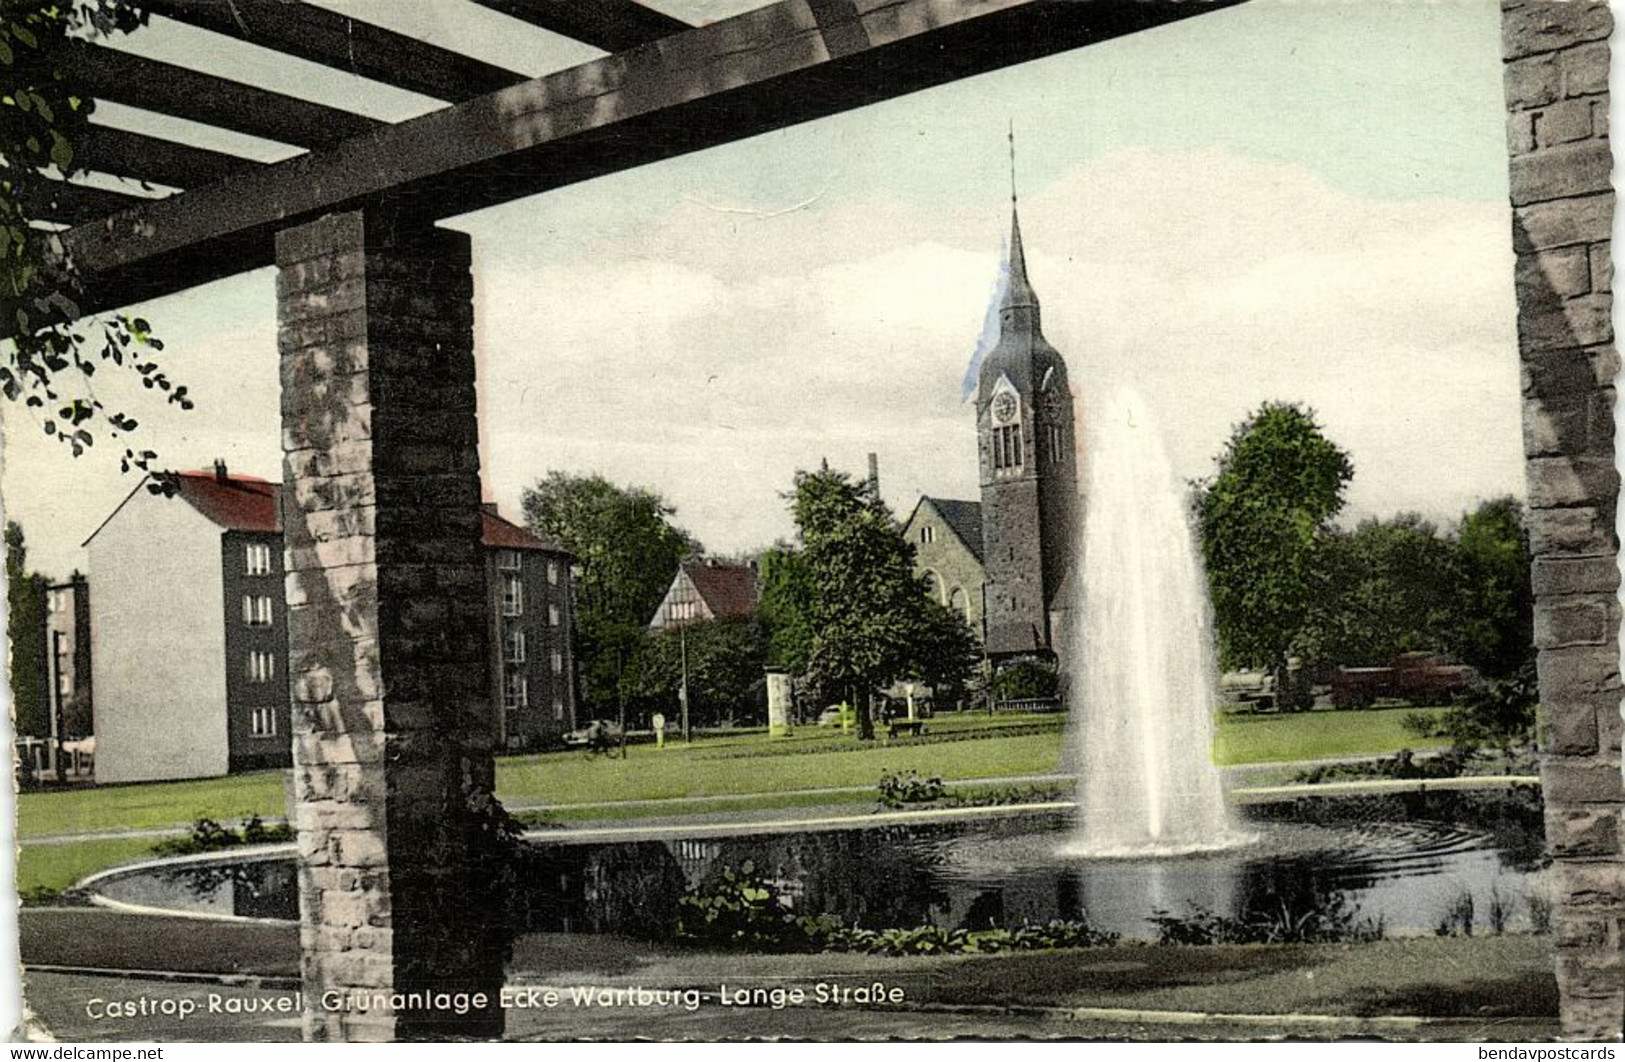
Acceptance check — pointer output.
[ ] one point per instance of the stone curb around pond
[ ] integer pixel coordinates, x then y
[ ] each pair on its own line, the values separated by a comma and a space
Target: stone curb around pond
570, 835
240, 854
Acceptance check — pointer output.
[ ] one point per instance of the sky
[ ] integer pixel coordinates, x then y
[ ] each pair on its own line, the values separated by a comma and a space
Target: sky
1282, 201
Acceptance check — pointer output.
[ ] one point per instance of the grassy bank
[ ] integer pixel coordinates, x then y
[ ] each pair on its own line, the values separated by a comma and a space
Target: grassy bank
957, 748
1246, 739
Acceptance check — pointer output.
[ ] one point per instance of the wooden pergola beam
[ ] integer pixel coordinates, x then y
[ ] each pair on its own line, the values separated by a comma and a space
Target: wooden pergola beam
776, 66
150, 158
332, 39
63, 203
136, 81
613, 25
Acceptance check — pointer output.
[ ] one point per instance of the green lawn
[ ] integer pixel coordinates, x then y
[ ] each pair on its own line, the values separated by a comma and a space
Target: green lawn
715, 767
56, 866
1243, 739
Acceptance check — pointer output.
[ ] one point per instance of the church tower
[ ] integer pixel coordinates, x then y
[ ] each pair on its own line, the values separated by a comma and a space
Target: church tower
1025, 439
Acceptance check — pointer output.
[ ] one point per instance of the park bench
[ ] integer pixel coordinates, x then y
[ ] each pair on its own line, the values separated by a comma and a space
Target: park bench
905, 726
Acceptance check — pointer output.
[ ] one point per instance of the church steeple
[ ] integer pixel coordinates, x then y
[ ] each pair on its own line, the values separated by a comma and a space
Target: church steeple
1025, 432
1018, 290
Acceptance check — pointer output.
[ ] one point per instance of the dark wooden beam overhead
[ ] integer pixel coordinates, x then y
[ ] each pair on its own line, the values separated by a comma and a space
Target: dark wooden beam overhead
766, 69
613, 25
133, 80
327, 37
148, 158
71, 204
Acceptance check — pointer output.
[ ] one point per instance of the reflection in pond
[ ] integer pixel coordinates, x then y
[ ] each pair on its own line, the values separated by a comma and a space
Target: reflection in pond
1401, 863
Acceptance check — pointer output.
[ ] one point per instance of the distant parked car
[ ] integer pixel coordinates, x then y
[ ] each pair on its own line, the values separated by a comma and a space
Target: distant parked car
1420, 678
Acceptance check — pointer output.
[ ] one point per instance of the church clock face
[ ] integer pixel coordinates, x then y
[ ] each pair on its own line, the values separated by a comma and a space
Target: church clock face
1004, 407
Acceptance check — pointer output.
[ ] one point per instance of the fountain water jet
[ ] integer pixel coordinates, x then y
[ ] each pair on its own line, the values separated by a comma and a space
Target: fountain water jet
1139, 655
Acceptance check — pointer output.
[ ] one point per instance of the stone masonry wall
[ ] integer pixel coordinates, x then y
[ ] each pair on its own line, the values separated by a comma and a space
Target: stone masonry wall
388, 631
1556, 80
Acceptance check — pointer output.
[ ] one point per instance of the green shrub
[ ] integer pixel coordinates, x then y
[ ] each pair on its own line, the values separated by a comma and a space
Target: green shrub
897, 790
1026, 681
209, 836
1330, 920
741, 909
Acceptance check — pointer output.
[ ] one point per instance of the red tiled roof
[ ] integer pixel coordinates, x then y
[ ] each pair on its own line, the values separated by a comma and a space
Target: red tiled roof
728, 590
237, 503
505, 534
247, 503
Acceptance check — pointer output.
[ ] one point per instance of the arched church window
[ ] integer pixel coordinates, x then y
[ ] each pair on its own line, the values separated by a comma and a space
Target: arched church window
959, 601
1007, 446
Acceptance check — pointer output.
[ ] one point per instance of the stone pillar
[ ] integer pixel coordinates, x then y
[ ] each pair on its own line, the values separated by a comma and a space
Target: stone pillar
387, 626
778, 703
1556, 79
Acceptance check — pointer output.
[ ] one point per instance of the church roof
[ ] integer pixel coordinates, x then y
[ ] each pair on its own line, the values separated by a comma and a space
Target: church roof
1022, 353
965, 518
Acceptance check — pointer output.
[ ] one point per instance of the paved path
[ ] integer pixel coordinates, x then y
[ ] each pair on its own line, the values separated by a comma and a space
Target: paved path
1417, 988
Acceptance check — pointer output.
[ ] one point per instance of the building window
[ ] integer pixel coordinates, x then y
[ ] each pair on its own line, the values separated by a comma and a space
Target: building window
257, 610
558, 707
515, 690
261, 666
513, 647
262, 722
553, 572
959, 601
929, 581
681, 611
509, 560
1007, 446
552, 615
257, 560
513, 596
928, 534
1057, 450
558, 662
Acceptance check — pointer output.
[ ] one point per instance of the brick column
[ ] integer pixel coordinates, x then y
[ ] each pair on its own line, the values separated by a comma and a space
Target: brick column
1556, 79
388, 623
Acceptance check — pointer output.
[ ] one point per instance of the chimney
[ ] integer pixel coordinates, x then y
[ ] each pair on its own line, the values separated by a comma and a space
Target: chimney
874, 474
219, 470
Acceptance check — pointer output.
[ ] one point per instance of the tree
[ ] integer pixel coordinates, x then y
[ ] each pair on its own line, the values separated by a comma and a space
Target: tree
1496, 625
42, 116
725, 661
1385, 588
785, 608
1263, 517
946, 653
866, 609
25, 629
626, 553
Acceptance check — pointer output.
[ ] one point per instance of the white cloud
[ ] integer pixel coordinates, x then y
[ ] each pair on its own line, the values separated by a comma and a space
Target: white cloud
1209, 281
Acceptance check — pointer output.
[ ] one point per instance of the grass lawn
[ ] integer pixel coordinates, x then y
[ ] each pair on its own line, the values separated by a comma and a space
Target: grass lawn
716, 767
1321, 735
56, 866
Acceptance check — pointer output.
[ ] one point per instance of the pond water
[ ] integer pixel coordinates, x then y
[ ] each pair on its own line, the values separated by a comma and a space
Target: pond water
1408, 862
